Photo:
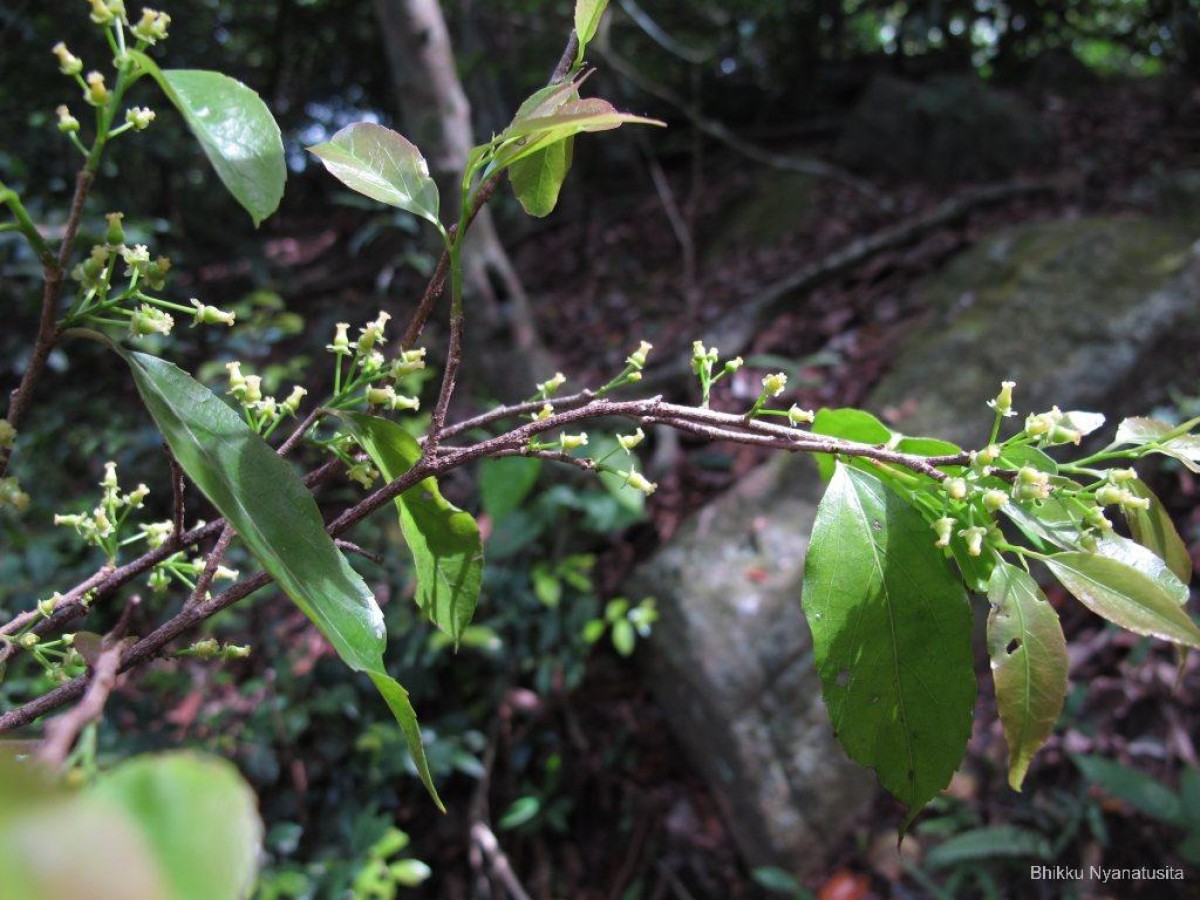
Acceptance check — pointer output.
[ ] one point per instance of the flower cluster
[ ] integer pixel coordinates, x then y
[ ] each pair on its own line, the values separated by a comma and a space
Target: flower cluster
263, 412
101, 527
362, 373
704, 362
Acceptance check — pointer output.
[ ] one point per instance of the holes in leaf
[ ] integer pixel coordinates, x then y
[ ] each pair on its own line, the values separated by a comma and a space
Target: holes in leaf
1013, 646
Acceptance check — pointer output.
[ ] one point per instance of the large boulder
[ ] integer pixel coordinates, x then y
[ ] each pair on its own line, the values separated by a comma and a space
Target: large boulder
953, 128
1086, 314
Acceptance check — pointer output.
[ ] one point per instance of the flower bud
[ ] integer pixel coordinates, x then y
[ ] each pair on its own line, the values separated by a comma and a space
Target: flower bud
1119, 476
1003, 402
225, 573
102, 14
798, 416
137, 259
986, 456
956, 488
67, 123
637, 359
210, 315
573, 441
629, 441
291, 405
341, 341
364, 473
1095, 518
1060, 434
150, 320
152, 27
253, 392
236, 651
139, 117
549, 387
157, 533
994, 500
114, 236
732, 365
943, 528
774, 384
156, 273
96, 93
1109, 495
29, 640
135, 498
408, 361
974, 538
46, 607
12, 495
544, 413
159, 581
637, 481
237, 381
68, 63
372, 333
109, 482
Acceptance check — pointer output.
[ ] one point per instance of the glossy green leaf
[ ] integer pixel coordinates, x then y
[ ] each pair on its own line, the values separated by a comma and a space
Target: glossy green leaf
1153, 529
587, 21
548, 100
381, 164
1145, 561
1125, 596
848, 424
1141, 791
1029, 664
891, 636
1139, 430
275, 515
444, 540
504, 483
1048, 523
199, 816
538, 179
235, 129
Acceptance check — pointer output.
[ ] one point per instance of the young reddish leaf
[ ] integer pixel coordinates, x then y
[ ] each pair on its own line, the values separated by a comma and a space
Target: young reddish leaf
1029, 664
383, 165
891, 636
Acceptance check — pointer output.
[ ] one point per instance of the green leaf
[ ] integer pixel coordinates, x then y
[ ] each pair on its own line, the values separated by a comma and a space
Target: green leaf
538, 179
523, 810
1029, 664
623, 637
990, 842
1083, 422
891, 636
1143, 793
1139, 431
444, 540
174, 826
275, 515
235, 129
1145, 561
1153, 529
199, 816
1123, 595
587, 21
848, 424
381, 164
1047, 523
1020, 455
524, 137
505, 483
922, 446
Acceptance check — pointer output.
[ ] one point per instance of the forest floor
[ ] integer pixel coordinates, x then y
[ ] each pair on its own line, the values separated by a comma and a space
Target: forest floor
613, 277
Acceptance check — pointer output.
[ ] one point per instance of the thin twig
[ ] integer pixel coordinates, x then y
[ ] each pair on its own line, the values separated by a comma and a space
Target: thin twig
485, 838
47, 333
215, 555
178, 487
62, 732
351, 547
